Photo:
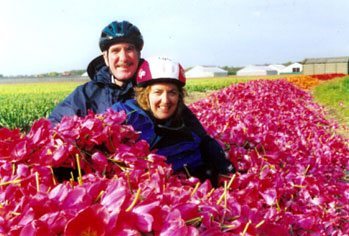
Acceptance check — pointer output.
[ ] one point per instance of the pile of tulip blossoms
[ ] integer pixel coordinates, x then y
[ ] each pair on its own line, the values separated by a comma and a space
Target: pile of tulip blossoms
92, 176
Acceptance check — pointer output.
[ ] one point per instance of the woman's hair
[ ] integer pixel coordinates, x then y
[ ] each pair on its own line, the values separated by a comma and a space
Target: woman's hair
142, 98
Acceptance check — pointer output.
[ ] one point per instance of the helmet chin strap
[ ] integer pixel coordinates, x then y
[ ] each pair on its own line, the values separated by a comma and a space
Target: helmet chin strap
116, 81
113, 80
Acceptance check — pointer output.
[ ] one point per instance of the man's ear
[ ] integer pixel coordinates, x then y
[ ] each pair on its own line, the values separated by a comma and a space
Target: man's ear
105, 56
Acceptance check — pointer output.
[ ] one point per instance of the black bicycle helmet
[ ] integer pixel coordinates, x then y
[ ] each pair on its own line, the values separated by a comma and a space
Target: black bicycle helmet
120, 32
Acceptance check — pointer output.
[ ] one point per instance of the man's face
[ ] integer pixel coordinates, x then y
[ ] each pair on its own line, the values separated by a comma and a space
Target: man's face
122, 59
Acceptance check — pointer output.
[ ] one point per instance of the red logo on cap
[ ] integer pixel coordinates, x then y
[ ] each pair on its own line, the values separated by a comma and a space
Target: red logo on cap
144, 73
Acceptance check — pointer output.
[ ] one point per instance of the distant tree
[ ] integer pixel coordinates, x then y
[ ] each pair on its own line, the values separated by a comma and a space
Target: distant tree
231, 69
287, 63
77, 72
53, 74
1, 75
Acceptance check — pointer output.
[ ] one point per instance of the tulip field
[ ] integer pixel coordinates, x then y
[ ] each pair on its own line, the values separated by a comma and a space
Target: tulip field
92, 176
21, 104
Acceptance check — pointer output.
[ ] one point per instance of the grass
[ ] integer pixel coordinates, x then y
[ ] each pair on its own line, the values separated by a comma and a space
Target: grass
334, 96
22, 103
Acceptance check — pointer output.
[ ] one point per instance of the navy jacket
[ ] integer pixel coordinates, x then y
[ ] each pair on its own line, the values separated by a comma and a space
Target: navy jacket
174, 140
96, 95
202, 155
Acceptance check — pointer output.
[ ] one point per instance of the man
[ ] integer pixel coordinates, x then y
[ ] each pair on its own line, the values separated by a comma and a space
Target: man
112, 73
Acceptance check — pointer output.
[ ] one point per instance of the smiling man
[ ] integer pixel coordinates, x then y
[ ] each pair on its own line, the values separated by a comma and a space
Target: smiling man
112, 73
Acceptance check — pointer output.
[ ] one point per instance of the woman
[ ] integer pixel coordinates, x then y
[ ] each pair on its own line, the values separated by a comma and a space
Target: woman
156, 113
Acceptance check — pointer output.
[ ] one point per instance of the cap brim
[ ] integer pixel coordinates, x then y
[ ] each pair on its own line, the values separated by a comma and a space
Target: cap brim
161, 80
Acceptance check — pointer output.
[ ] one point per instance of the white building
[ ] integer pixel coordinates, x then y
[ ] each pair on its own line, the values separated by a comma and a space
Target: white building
252, 70
277, 67
205, 71
292, 69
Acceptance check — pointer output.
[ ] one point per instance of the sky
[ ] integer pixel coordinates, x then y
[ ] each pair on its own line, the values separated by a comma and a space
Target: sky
40, 36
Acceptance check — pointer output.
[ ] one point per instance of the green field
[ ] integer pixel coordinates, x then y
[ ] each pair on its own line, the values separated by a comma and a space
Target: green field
22, 103
334, 95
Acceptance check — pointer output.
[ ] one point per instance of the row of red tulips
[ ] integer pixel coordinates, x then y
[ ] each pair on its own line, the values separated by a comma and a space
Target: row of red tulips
327, 76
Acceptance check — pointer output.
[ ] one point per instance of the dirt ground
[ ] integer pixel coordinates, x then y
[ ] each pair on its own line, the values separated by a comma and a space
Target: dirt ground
195, 96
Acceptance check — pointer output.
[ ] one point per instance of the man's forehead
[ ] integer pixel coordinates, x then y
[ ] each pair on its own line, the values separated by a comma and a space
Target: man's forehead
122, 45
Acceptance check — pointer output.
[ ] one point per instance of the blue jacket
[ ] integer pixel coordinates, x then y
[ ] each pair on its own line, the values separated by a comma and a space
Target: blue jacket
96, 95
179, 144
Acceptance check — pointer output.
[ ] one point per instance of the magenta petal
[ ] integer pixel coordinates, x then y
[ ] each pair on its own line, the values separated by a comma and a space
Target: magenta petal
99, 161
114, 196
36, 228
144, 222
77, 198
90, 221
269, 196
175, 225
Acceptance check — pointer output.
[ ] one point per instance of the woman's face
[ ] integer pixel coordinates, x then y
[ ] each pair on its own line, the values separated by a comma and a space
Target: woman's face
163, 100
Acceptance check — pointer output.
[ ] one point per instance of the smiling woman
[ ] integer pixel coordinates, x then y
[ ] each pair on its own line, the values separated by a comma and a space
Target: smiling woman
158, 113
163, 100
